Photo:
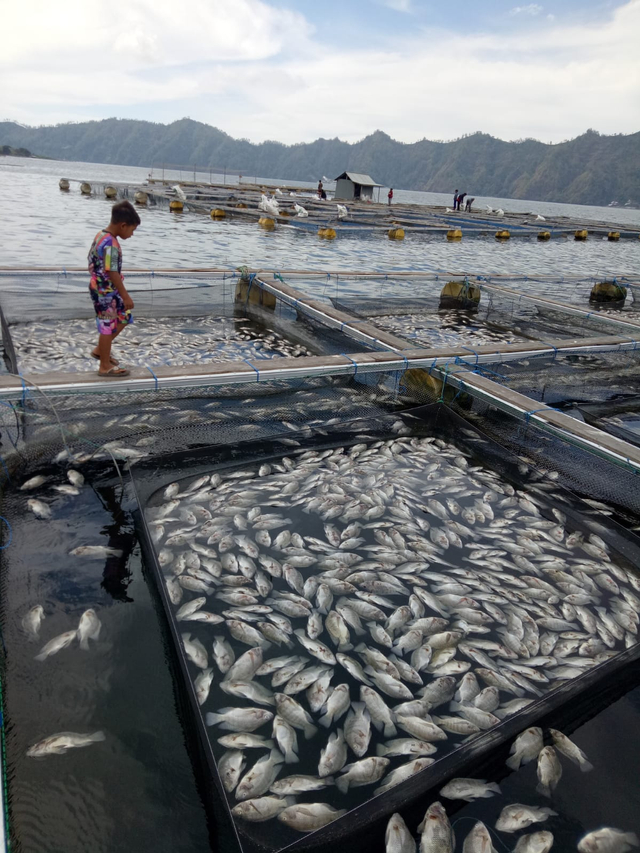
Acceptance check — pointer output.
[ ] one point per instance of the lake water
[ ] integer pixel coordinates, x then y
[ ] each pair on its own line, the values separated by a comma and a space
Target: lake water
50, 228
137, 790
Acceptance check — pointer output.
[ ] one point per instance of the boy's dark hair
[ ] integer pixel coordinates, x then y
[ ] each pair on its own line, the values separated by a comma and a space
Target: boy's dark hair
124, 212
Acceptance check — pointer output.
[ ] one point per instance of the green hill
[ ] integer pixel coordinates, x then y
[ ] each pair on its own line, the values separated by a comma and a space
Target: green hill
591, 169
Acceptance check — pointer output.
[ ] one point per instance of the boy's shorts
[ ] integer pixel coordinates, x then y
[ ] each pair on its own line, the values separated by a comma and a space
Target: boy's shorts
110, 311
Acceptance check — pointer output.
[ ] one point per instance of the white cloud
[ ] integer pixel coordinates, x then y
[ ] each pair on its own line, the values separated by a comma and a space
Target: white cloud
532, 9
273, 81
397, 5
147, 32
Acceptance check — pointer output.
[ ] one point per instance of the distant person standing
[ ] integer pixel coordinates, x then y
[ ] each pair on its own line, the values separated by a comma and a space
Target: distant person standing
461, 200
390, 195
455, 199
320, 189
467, 206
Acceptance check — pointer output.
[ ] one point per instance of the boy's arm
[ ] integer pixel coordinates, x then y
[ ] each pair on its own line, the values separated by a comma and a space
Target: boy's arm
116, 279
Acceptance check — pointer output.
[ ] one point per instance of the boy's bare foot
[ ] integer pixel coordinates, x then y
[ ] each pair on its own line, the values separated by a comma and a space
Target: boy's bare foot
113, 360
116, 372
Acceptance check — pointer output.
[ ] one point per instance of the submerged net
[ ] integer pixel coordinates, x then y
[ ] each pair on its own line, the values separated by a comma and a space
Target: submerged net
180, 319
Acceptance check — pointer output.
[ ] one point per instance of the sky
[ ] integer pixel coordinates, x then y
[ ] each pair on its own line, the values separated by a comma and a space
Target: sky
297, 70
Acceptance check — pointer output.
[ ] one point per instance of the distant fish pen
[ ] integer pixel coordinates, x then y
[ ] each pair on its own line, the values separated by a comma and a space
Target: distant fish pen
275, 382
301, 209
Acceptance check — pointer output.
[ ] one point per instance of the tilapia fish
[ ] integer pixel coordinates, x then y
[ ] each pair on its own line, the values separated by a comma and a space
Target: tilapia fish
57, 744
385, 601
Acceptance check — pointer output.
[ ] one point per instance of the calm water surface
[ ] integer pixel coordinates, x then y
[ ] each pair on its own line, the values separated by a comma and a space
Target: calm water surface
49, 227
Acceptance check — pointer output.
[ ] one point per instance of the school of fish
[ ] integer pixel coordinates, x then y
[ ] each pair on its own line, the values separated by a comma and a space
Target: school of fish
42, 347
437, 833
355, 613
89, 625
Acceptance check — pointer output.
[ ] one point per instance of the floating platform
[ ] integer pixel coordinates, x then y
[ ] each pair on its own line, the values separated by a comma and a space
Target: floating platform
241, 202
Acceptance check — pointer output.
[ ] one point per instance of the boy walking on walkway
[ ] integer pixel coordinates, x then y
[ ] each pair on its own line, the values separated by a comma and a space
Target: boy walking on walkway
112, 303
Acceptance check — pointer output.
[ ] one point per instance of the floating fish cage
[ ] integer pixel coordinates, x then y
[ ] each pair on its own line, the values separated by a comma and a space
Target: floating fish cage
363, 523
398, 493
456, 311
178, 320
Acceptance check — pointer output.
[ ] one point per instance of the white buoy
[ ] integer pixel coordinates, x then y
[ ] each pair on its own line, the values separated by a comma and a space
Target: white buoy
342, 211
300, 211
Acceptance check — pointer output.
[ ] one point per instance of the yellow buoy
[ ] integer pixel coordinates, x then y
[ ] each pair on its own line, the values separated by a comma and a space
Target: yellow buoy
503, 234
85, 189
459, 294
425, 388
140, 197
267, 223
608, 291
454, 234
396, 233
544, 235
581, 235
614, 236
218, 213
176, 206
241, 204
63, 184
110, 192
327, 233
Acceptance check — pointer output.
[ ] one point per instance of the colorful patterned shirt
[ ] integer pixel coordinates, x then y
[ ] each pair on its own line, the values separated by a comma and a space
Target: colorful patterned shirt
105, 256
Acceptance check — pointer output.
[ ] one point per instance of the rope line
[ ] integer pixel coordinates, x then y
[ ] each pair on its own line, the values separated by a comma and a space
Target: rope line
154, 376
253, 367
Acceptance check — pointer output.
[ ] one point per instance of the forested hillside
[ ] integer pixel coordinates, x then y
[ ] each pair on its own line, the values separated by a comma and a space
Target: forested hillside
591, 169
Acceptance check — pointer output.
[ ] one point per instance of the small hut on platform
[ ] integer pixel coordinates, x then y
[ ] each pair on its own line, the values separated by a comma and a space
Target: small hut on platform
352, 186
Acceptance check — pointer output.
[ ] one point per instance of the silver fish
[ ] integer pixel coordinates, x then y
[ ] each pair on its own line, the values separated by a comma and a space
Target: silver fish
195, 651
60, 743
363, 772
261, 808
88, 628
398, 839
32, 621
478, 840
516, 816
525, 748
230, 766
333, 756
567, 747
608, 840
239, 719
307, 817
536, 842
437, 835
55, 645
469, 789
260, 777
549, 771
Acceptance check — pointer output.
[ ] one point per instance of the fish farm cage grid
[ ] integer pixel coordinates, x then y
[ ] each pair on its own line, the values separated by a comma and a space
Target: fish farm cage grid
284, 413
